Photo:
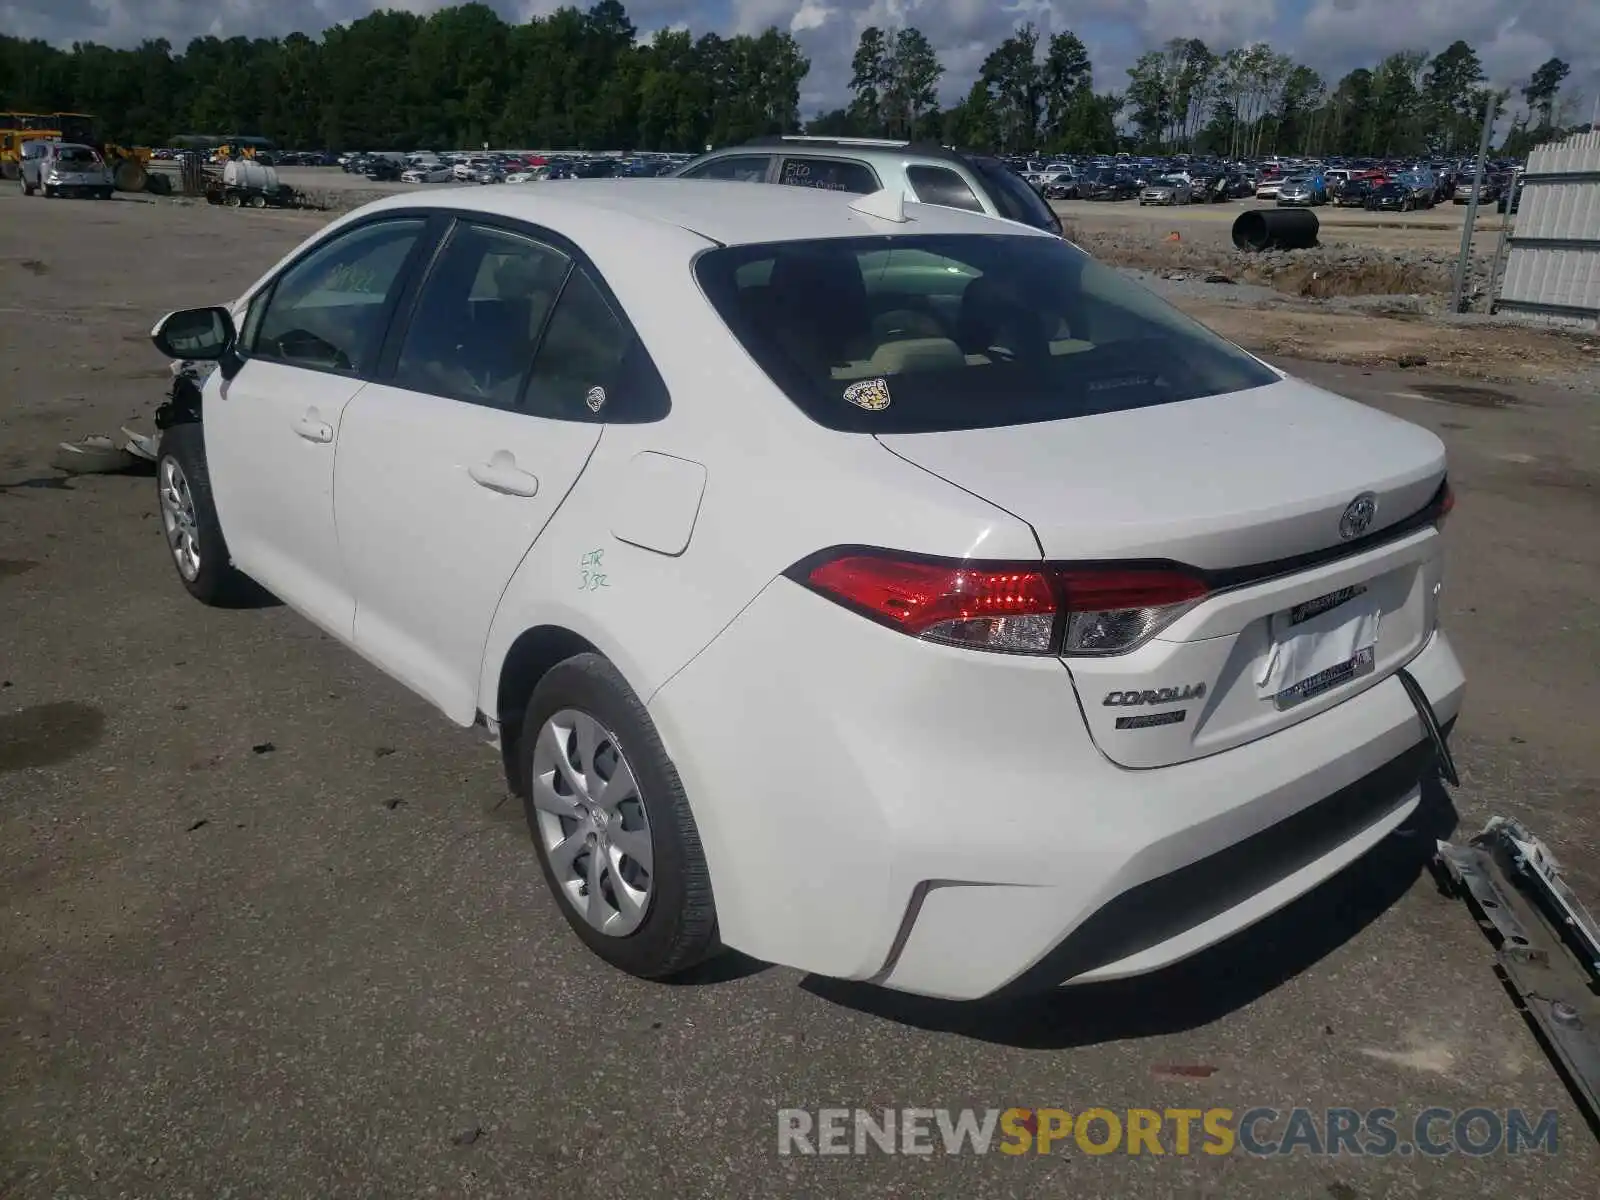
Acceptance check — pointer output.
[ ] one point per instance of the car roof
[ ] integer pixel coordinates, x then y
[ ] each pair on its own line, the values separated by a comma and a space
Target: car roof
845, 147
728, 212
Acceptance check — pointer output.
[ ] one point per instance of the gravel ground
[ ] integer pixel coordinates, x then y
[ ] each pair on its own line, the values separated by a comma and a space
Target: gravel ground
1342, 267
271, 929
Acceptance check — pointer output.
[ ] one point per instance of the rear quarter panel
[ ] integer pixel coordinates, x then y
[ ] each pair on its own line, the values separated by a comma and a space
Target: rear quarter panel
777, 487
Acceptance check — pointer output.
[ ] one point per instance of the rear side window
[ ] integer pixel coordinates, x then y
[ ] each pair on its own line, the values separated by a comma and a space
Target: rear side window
1012, 197
479, 316
829, 174
591, 365
942, 186
742, 168
929, 333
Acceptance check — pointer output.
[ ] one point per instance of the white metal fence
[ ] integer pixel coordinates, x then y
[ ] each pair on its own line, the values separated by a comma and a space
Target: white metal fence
1554, 264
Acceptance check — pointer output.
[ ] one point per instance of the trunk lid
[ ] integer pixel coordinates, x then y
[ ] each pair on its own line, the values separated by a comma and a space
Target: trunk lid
1251, 488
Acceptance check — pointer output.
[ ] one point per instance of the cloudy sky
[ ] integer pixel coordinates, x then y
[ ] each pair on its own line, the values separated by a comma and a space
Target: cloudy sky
1512, 36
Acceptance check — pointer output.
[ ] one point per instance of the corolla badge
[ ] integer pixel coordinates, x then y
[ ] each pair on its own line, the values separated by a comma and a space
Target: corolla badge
1358, 516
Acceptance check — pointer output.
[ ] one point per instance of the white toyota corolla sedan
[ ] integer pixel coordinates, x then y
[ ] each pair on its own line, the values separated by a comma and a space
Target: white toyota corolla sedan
880, 589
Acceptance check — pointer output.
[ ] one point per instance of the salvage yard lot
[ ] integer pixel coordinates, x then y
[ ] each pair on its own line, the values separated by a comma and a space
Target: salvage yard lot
271, 927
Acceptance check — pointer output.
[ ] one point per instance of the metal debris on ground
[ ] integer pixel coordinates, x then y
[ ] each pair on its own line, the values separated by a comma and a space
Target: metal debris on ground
1547, 945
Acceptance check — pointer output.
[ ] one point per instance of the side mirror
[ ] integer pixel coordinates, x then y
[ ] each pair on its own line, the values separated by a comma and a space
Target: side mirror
202, 334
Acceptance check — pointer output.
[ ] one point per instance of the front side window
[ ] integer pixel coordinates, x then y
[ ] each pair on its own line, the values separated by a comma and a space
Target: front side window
828, 174
479, 315
741, 168
926, 333
328, 311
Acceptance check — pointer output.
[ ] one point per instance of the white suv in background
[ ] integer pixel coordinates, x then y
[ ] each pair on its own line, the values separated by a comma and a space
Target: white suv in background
921, 174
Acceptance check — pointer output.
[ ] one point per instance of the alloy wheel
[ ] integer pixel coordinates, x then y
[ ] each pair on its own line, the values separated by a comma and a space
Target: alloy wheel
178, 519
592, 823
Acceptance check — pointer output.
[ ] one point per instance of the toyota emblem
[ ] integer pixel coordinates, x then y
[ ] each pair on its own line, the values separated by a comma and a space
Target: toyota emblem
1358, 516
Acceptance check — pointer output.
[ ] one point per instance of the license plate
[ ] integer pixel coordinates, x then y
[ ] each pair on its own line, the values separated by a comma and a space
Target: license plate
1319, 644
1353, 668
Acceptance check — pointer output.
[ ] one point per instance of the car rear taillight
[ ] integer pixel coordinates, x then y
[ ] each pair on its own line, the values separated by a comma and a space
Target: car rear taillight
1012, 608
985, 606
1112, 609
1444, 504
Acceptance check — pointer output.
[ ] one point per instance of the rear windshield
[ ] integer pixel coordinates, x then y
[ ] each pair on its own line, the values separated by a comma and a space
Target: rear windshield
1012, 196
928, 333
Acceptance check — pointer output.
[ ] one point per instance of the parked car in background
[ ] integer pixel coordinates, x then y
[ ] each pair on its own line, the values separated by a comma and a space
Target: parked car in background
1109, 183
1424, 188
30, 156
1300, 191
1392, 197
927, 175
1488, 192
381, 169
67, 169
1267, 189
1169, 189
1352, 194
433, 172
1064, 181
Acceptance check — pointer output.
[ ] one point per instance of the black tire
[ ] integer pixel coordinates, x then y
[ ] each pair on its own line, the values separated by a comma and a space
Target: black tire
216, 583
679, 930
47, 191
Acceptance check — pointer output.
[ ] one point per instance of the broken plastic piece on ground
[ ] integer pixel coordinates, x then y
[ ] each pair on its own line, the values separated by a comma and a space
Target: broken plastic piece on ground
139, 445
95, 455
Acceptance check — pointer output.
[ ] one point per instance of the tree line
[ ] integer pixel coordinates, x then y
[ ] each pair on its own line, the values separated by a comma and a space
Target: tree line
581, 79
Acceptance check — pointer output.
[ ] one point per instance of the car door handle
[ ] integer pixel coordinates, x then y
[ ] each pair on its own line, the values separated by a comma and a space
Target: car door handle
501, 474
313, 428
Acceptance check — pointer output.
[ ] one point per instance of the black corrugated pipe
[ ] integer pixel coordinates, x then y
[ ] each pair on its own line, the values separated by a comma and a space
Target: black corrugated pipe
1275, 229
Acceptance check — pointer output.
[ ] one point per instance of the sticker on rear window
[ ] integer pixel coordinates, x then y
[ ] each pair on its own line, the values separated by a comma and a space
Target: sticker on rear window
596, 399
870, 394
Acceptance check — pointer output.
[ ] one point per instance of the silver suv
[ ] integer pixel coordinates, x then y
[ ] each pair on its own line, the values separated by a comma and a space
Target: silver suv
64, 169
925, 174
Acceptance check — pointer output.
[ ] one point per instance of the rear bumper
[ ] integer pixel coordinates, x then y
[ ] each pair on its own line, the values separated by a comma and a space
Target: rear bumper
938, 821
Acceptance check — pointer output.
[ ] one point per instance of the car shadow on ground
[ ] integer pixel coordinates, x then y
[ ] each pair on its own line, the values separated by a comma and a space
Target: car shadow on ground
1198, 990
247, 594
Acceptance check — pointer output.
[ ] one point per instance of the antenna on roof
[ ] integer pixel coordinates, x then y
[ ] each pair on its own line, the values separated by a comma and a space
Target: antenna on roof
887, 204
